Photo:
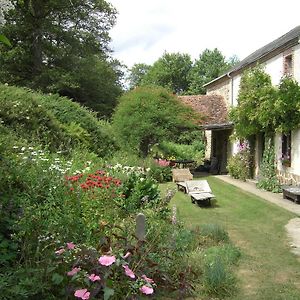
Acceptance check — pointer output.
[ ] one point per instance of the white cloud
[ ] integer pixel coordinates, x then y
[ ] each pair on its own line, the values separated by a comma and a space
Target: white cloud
145, 29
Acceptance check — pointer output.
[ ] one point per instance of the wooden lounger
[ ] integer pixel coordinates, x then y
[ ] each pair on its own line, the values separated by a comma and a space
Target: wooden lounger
200, 191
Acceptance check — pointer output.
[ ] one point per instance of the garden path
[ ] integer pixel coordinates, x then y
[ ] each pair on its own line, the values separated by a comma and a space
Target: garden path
274, 198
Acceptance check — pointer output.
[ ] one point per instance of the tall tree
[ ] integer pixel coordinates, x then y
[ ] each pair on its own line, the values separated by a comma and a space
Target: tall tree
210, 65
170, 71
137, 74
53, 38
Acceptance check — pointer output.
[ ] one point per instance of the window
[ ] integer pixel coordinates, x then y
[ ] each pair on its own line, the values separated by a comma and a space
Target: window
286, 149
288, 65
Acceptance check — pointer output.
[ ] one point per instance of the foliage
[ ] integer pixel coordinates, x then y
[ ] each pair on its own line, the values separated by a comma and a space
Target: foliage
178, 73
160, 173
56, 122
62, 47
170, 71
264, 108
158, 114
4, 40
255, 111
218, 280
239, 165
60, 211
175, 151
210, 65
216, 232
137, 74
267, 177
287, 106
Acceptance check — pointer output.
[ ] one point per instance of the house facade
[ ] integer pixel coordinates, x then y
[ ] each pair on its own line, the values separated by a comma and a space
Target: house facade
281, 57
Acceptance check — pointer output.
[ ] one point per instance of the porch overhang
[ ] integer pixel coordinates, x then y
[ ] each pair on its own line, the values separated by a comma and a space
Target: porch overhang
222, 126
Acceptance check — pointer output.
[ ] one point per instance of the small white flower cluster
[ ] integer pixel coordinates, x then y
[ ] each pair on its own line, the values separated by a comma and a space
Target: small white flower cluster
86, 168
60, 166
37, 156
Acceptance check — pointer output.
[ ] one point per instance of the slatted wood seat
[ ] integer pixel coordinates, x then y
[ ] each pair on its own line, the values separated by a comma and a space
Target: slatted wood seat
200, 191
181, 175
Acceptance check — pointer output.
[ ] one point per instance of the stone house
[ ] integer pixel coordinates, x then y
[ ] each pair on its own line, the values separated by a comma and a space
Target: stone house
216, 126
280, 57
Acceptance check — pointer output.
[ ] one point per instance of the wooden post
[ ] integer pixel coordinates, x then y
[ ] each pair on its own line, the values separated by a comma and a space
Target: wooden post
140, 230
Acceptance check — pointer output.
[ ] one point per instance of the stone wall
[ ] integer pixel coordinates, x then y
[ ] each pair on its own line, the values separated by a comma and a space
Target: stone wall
222, 89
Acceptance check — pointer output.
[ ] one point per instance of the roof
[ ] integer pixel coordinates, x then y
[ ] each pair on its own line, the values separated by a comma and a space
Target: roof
212, 107
284, 42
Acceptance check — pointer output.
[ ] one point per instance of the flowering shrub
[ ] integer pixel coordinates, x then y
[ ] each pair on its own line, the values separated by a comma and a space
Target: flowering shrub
267, 178
239, 165
94, 275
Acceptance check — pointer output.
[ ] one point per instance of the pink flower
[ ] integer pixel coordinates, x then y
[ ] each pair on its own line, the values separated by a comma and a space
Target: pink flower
128, 272
107, 260
83, 294
146, 290
147, 279
127, 255
60, 251
94, 277
70, 246
73, 272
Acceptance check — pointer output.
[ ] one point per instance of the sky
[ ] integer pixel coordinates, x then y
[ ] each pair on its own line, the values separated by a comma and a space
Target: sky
146, 29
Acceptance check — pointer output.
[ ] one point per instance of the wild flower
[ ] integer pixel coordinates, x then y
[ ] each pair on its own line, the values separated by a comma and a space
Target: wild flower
107, 260
60, 251
73, 271
149, 280
70, 246
93, 277
174, 218
128, 272
82, 294
146, 290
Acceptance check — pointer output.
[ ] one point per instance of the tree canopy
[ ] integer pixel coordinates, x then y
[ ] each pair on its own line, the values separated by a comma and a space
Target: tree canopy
137, 74
148, 115
170, 71
210, 65
177, 72
55, 42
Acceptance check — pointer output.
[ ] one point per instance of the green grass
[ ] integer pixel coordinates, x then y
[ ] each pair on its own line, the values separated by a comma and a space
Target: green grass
267, 269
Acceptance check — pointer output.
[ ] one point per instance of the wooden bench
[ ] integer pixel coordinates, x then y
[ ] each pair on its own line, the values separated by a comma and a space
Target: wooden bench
291, 192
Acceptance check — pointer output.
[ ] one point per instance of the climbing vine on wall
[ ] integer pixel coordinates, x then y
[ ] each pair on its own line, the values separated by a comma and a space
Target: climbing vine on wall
254, 112
263, 107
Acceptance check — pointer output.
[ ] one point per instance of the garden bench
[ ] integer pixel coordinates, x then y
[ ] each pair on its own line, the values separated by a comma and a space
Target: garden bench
291, 192
200, 191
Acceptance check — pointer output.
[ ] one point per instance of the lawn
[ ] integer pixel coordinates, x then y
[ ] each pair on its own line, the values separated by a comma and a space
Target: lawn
267, 269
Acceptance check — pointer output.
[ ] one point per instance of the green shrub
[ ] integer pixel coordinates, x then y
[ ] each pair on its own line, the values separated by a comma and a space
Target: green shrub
53, 121
228, 253
160, 174
147, 115
239, 165
267, 179
218, 280
171, 150
215, 232
98, 134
